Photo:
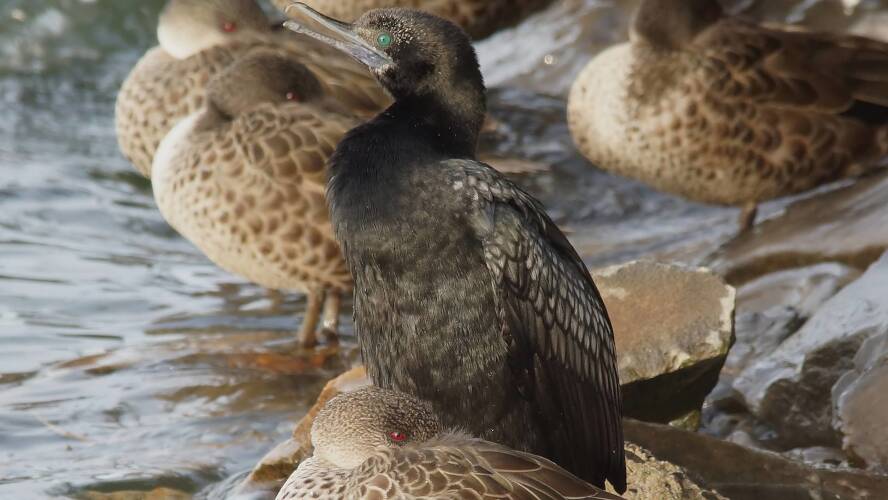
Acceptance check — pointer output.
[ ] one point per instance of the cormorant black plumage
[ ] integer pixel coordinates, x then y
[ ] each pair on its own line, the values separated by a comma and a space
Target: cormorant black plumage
466, 294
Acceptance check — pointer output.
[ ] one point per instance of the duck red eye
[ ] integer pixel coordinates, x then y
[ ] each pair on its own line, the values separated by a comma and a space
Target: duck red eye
397, 436
292, 96
229, 27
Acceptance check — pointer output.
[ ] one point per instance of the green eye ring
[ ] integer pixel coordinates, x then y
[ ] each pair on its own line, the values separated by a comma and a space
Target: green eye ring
384, 40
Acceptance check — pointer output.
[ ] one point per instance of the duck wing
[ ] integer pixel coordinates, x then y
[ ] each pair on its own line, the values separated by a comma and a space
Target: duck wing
795, 68
475, 469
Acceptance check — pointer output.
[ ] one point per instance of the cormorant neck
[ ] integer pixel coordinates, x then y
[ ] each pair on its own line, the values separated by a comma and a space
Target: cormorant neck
450, 118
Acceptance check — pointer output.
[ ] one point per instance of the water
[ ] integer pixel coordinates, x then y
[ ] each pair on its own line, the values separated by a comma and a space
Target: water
127, 360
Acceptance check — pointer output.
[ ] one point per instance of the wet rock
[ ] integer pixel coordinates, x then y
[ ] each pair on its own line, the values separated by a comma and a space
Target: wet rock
649, 478
774, 306
156, 494
844, 225
769, 310
673, 328
873, 26
861, 408
741, 473
280, 462
653, 479
791, 388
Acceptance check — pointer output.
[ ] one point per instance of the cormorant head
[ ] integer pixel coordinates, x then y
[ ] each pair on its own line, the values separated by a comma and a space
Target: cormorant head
187, 27
263, 76
352, 426
671, 24
412, 53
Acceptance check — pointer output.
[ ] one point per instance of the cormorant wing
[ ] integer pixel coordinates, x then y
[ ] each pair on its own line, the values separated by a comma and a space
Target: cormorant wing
475, 469
560, 336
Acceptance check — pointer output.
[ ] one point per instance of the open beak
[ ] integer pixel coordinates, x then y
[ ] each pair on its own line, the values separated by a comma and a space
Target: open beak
341, 35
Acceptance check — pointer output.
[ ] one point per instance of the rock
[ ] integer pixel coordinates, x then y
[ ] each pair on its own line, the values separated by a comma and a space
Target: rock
280, 462
156, 494
653, 479
740, 473
874, 25
673, 328
649, 478
861, 408
774, 306
843, 225
790, 388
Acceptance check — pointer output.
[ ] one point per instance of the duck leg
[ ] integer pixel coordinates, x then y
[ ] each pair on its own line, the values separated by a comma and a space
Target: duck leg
747, 216
308, 334
332, 308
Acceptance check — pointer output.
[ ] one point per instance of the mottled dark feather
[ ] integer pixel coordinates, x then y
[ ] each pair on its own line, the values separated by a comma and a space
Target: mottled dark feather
562, 338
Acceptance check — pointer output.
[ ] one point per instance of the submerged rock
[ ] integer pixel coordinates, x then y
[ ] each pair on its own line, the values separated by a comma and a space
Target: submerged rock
281, 461
844, 225
156, 494
791, 388
673, 328
741, 473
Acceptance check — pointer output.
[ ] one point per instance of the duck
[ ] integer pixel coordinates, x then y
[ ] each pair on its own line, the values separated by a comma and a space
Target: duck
377, 443
480, 18
243, 179
197, 40
720, 110
467, 295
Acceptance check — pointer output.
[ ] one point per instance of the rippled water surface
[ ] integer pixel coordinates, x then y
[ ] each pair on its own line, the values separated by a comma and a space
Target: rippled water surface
127, 360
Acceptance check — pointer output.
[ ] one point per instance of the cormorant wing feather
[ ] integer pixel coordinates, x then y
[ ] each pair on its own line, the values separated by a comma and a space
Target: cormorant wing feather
560, 336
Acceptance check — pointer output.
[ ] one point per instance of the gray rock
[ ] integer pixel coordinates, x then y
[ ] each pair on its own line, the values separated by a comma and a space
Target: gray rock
673, 328
652, 479
860, 405
774, 306
843, 225
791, 388
740, 473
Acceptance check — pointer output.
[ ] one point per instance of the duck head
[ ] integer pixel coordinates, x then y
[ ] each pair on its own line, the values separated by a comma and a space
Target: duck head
670, 24
263, 76
354, 425
187, 27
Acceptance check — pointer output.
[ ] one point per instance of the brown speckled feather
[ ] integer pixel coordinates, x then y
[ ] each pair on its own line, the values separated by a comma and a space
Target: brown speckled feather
796, 69
479, 18
738, 113
250, 195
161, 90
454, 468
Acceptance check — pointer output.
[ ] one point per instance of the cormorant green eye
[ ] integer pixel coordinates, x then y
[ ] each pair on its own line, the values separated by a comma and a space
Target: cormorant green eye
384, 40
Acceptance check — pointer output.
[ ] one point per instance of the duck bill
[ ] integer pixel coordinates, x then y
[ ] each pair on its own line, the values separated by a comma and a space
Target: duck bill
338, 34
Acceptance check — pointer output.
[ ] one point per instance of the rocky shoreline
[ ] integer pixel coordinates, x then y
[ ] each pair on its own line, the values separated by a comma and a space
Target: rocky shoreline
786, 396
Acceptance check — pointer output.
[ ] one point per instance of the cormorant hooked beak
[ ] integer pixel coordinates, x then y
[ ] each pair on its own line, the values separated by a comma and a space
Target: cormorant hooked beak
344, 37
